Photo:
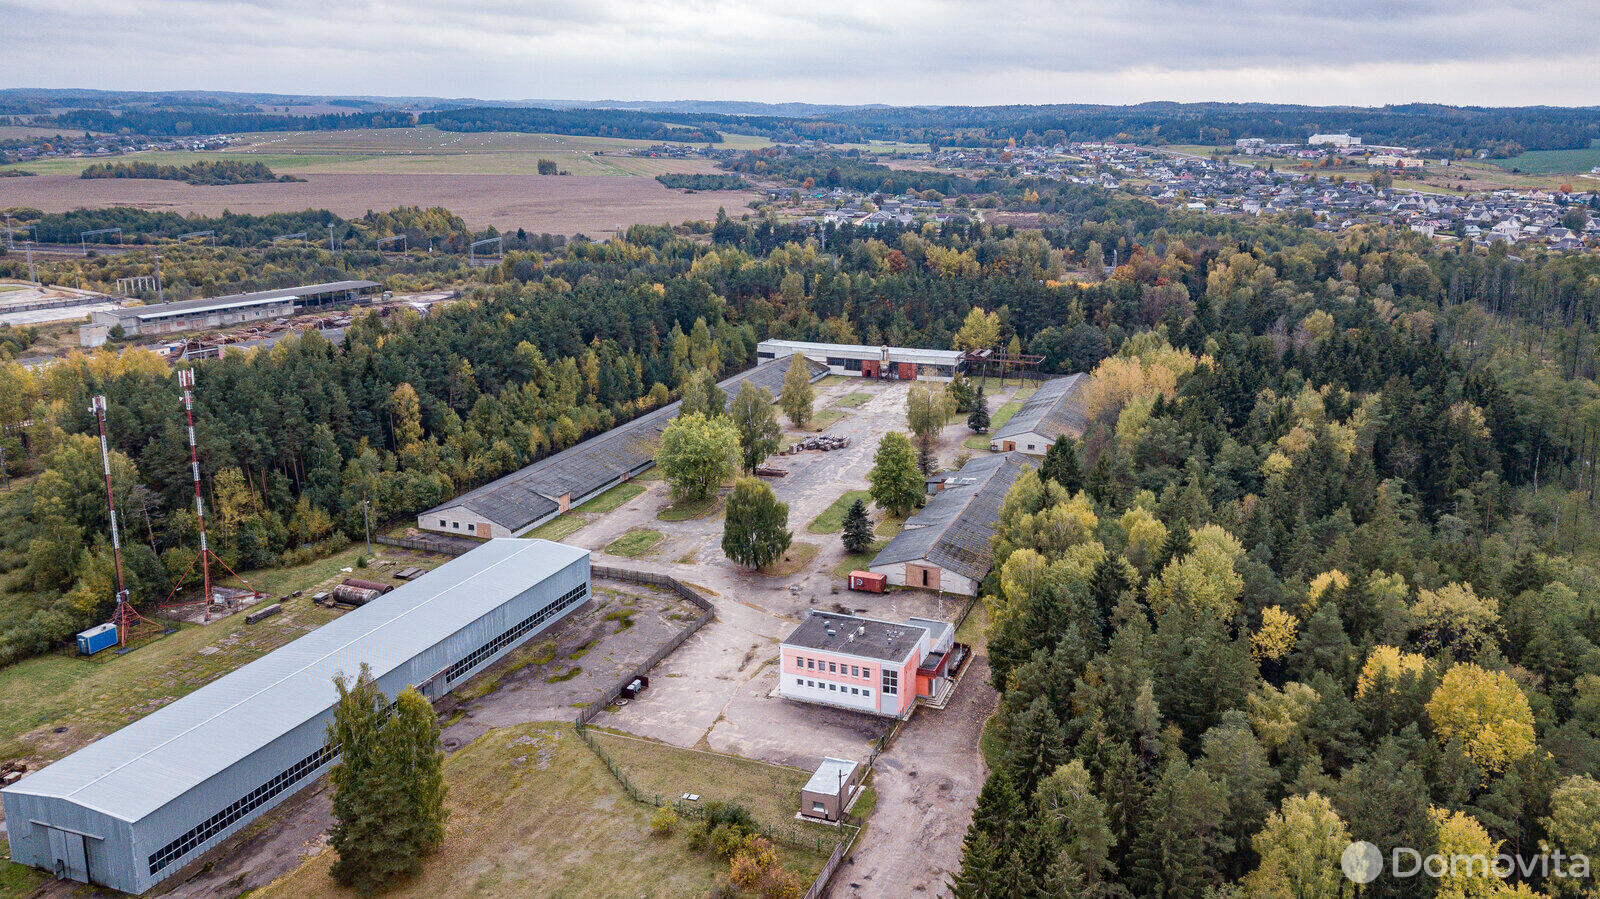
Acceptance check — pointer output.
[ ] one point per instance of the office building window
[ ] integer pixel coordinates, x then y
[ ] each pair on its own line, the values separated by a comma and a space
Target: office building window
891, 681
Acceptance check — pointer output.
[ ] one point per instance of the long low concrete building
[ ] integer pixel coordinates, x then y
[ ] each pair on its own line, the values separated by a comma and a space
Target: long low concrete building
135, 807
532, 495
945, 545
891, 362
217, 312
1055, 409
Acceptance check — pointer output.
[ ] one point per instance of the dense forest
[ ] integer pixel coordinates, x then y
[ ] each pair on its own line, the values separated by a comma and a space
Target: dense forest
702, 182
222, 171
1324, 566
594, 122
180, 123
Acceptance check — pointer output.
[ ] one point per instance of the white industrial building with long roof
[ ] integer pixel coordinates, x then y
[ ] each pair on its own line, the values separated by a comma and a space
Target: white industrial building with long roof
138, 805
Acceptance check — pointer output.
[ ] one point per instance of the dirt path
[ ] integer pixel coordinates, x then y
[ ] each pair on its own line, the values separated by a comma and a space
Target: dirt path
928, 783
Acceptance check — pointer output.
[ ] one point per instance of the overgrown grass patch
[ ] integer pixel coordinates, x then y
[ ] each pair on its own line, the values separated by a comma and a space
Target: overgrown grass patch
612, 499
559, 527
566, 675
635, 543
831, 521
854, 400
533, 812
689, 509
798, 556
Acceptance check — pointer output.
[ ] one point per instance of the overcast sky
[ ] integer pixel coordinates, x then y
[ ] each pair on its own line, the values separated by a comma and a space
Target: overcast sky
1489, 52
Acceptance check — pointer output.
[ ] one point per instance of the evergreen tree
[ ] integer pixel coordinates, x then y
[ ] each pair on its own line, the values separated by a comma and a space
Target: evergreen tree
858, 534
388, 801
978, 420
1061, 465
756, 528
927, 462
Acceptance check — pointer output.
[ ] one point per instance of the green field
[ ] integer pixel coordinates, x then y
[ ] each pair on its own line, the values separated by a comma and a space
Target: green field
831, 521
771, 792
534, 812
1553, 162
635, 543
422, 150
999, 418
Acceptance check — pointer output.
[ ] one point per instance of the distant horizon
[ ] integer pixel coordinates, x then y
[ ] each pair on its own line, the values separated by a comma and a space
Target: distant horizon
547, 102
831, 52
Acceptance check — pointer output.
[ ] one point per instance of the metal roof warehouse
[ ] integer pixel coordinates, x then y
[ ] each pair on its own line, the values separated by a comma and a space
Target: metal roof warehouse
137, 805
534, 494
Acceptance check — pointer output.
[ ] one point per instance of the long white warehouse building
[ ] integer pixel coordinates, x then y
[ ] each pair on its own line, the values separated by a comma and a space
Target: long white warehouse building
137, 806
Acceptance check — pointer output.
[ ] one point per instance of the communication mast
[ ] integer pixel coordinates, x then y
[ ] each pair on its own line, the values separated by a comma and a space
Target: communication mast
186, 383
125, 618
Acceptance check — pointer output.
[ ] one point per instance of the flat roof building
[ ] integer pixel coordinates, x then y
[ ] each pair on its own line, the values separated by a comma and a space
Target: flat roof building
1056, 408
944, 546
216, 312
137, 805
862, 664
827, 794
530, 496
871, 361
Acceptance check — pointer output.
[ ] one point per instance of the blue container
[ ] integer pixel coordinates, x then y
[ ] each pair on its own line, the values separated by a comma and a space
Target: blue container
97, 638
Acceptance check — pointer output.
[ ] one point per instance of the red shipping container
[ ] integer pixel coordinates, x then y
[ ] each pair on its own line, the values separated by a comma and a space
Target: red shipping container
868, 582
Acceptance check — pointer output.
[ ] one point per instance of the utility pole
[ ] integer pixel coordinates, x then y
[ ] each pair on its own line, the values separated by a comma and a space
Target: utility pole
11, 241
31, 276
161, 297
331, 245
366, 522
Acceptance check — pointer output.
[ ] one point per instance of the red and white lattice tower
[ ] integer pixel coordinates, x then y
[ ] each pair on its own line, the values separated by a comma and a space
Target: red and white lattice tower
125, 618
206, 556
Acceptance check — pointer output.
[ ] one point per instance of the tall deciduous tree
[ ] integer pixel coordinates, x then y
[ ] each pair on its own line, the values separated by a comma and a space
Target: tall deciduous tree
697, 454
980, 331
756, 528
927, 410
751, 412
897, 486
702, 395
797, 393
1300, 849
388, 801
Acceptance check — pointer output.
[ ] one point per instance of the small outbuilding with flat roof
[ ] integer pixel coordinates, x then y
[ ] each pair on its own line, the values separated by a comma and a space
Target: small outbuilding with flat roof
828, 793
134, 807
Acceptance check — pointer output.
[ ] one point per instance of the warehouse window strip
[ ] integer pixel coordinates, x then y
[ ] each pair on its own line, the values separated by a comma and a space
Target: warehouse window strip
476, 657
205, 830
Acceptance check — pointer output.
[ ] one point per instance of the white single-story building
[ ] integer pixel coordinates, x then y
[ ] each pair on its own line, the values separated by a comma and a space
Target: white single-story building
870, 361
1056, 408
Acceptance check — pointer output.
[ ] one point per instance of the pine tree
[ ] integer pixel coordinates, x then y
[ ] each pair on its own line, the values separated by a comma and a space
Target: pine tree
1061, 465
756, 527
1176, 547
388, 801
858, 534
978, 421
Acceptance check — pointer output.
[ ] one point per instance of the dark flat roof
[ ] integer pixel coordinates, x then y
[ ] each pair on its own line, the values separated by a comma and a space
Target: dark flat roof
865, 637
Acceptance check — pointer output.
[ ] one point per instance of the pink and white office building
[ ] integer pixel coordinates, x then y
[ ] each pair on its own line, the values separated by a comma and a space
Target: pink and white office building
865, 664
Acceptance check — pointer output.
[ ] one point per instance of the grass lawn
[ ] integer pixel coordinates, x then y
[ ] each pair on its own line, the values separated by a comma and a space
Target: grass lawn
533, 812
771, 792
854, 400
1553, 162
96, 695
798, 557
831, 521
560, 526
827, 418
688, 510
999, 418
858, 561
612, 499
635, 543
